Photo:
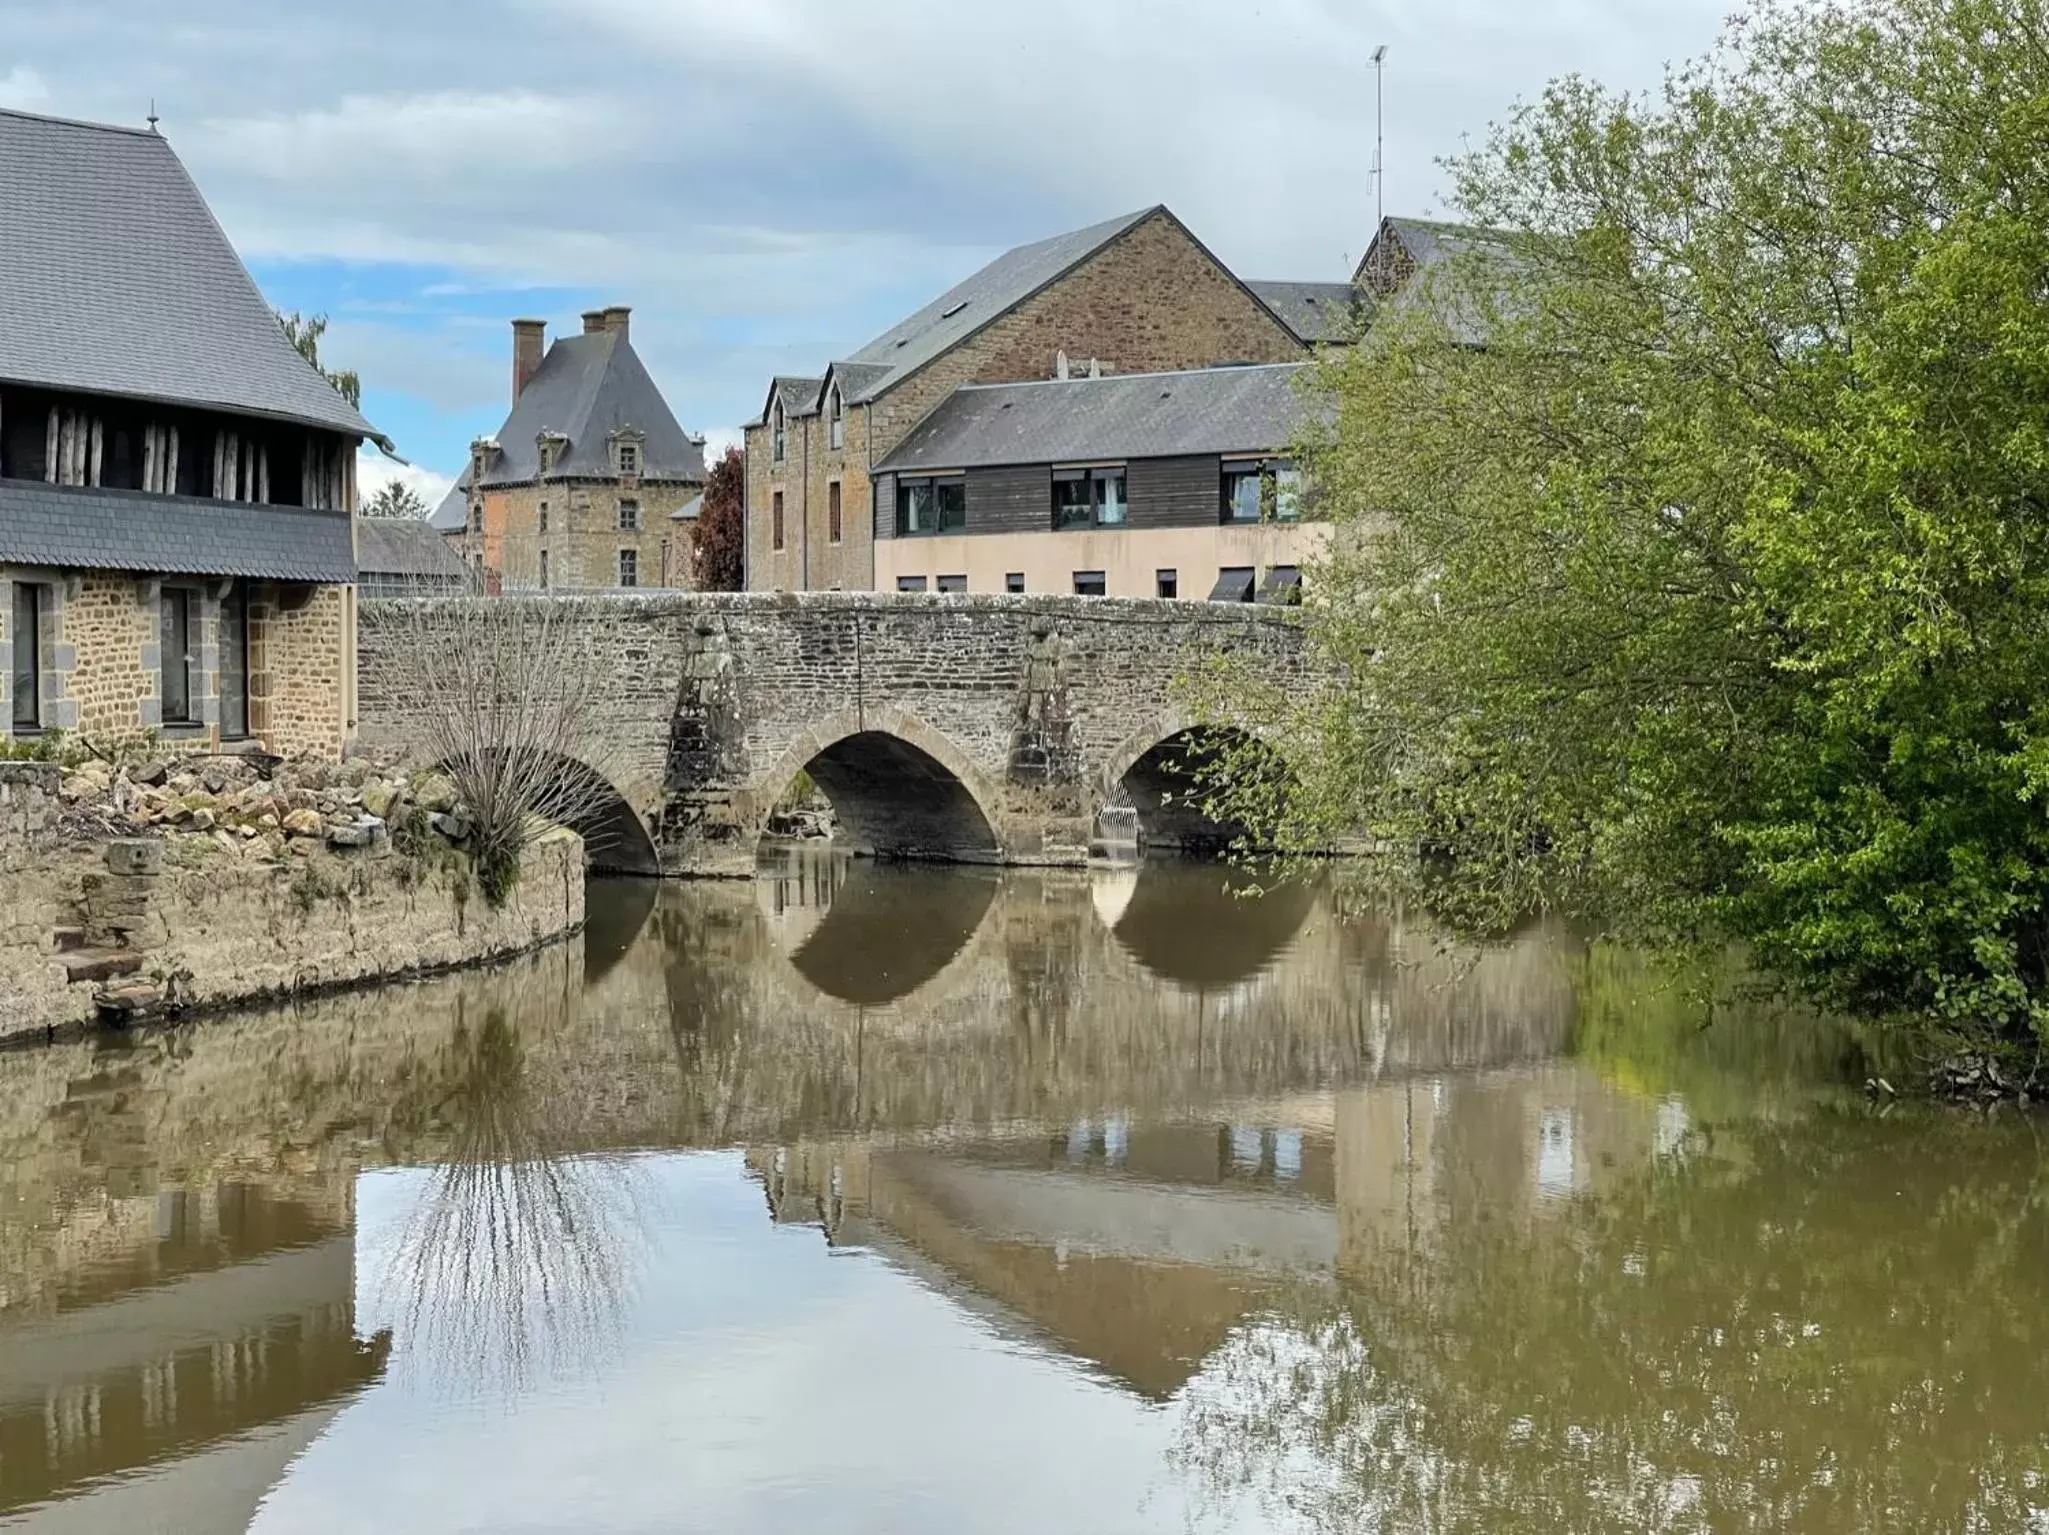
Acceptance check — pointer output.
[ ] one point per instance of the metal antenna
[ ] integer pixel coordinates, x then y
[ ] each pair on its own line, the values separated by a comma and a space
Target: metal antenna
152, 114
1379, 138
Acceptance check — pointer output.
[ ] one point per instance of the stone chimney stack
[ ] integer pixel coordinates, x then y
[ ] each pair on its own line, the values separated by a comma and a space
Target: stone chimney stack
529, 339
615, 319
593, 321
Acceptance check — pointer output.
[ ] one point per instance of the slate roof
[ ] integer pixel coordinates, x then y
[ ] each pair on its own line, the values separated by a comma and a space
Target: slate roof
1314, 311
1126, 415
688, 511
588, 386
403, 546
966, 307
800, 395
95, 529
1432, 243
115, 279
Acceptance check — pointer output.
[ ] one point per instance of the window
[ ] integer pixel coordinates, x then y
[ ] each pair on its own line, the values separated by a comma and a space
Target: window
234, 654
1014, 582
778, 435
910, 583
25, 625
1283, 585
629, 457
1257, 491
775, 520
629, 567
1167, 583
835, 420
544, 516
175, 636
1088, 498
953, 583
931, 506
544, 568
1234, 584
1088, 583
629, 516
832, 512
477, 515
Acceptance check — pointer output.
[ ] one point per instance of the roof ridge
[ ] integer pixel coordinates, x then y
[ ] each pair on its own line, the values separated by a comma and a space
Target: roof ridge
1107, 378
81, 122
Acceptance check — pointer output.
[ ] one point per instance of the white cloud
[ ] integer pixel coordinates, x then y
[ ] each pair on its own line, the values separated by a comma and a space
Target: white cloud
374, 471
23, 89
719, 438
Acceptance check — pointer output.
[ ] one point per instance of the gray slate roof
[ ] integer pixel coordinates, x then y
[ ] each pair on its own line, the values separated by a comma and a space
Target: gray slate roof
403, 546
1314, 311
1127, 415
965, 308
94, 529
800, 395
115, 279
586, 387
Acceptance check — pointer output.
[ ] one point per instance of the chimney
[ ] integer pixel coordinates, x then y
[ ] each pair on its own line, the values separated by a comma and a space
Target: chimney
593, 321
529, 337
615, 319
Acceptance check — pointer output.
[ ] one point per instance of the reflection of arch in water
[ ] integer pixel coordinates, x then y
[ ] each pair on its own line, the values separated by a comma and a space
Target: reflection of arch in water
899, 789
1199, 924
615, 913
1158, 772
868, 933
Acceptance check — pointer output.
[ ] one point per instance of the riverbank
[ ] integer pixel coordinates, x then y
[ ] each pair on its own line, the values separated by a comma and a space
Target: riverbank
121, 899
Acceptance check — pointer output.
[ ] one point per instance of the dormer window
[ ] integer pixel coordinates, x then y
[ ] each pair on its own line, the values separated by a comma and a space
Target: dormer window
835, 419
626, 456
777, 432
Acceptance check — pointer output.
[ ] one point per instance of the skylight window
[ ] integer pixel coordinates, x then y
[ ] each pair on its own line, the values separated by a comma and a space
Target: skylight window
947, 314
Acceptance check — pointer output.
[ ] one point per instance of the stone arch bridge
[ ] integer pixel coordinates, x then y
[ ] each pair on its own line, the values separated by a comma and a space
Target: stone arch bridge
987, 729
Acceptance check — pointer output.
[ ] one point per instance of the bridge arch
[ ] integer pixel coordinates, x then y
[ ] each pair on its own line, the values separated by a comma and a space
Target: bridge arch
1154, 771
615, 836
899, 788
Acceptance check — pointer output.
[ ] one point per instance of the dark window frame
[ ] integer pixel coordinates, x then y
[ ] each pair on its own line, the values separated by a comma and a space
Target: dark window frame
835, 522
27, 600
1098, 579
178, 601
629, 514
1088, 513
957, 584
231, 628
944, 488
835, 420
1167, 584
1241, 579
778, 434
629, 567
1014, 583
910, 583
775, 523
1270, 474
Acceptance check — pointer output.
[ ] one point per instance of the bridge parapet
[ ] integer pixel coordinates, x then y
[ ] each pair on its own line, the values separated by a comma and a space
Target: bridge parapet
977, 727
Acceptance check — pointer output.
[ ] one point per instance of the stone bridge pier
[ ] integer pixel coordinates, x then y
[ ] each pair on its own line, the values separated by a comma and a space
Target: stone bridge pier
986, 729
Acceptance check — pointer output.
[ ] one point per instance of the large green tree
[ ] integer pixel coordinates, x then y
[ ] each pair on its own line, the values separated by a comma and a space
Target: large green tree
304, 332
1691, 570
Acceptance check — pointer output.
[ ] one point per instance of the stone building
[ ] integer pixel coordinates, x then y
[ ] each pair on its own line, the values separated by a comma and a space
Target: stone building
175, 479
1132, 485
399, 557
579, 489
1135, 294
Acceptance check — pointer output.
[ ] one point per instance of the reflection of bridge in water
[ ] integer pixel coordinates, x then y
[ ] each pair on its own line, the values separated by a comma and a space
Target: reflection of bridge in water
1102, 1108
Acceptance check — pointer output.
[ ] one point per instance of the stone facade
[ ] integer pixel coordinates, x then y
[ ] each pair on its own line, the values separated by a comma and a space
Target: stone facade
214, 929
101, 652
579, 548
1153, 299
986, 729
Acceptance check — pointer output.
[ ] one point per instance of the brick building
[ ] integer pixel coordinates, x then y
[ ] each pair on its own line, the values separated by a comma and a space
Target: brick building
1135, 294
579, 489
175, 479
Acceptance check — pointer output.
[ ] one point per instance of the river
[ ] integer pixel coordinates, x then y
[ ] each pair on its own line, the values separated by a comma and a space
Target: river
866, 1198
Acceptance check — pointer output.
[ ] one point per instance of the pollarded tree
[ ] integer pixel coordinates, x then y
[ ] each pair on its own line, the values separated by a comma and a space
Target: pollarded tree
1702, 596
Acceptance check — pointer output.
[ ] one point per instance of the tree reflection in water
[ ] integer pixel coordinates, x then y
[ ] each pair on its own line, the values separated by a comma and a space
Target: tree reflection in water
1833, 1325
517, 1260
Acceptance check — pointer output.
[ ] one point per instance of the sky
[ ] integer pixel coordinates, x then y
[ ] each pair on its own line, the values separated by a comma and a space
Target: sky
770, 183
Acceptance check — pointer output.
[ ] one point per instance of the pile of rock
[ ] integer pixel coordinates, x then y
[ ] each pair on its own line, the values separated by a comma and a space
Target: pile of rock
259, 807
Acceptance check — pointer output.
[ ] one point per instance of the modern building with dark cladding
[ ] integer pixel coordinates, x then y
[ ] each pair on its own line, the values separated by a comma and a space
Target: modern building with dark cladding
176, 480
1133, 485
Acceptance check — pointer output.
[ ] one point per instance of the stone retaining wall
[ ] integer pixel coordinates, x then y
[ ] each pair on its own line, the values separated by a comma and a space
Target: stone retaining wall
208, 929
